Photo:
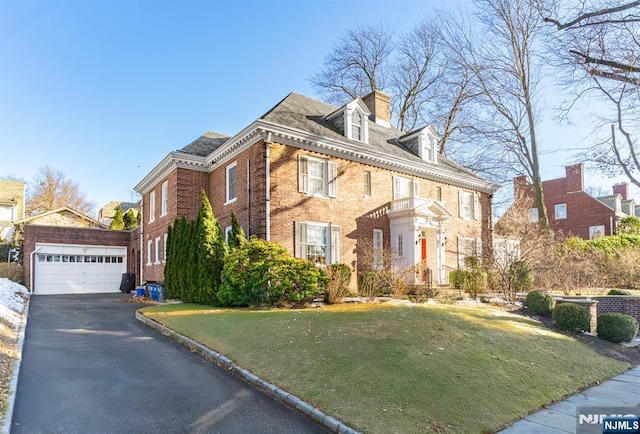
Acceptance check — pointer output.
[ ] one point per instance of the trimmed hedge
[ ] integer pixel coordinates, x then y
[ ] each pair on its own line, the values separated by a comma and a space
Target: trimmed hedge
540, 303
618, 292
617, 327
571, 317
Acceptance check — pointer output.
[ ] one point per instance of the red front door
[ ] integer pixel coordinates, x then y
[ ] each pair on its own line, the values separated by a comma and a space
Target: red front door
423, 257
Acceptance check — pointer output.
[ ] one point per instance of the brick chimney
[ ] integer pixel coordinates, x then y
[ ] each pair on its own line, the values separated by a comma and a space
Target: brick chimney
575, 177
379, 104
521, 188
622, 189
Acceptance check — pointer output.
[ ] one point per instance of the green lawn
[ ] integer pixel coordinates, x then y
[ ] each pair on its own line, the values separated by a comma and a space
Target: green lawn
398, 369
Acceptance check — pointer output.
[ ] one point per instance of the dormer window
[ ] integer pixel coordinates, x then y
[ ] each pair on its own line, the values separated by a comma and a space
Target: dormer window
351, 120
356, 125
423, 143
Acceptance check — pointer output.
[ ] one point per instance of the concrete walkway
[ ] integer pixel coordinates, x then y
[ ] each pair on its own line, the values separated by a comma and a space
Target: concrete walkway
621, 393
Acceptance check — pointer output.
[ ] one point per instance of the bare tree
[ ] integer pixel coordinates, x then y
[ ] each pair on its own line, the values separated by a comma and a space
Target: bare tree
356, 65
500, 51
600, 42
425, 85
51, 189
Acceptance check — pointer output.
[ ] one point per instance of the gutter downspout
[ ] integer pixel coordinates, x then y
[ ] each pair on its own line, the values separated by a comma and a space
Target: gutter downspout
141, 239
267, 184
32, 265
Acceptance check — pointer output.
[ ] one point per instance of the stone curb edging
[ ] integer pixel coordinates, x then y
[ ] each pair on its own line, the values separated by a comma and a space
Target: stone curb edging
307, 409
13, 386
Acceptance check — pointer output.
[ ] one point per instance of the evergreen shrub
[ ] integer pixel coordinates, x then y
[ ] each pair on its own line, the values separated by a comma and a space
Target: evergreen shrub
617, 327
540, 303
571, 317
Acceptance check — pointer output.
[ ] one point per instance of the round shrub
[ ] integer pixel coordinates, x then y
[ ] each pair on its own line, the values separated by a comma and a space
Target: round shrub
617, 327
540, 302
260, 271
618, 292
571, 317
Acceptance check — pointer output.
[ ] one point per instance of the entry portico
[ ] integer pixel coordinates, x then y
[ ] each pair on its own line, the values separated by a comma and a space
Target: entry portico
418, 233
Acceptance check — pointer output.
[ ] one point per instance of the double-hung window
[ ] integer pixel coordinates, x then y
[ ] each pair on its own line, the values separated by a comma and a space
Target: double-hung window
468, 205
405, 187
149, 252
318, 242
468, 246
533, 215
157, 250
232, 182
165, 198
356, 125
152, 206
378, 260
561, 211
317, 176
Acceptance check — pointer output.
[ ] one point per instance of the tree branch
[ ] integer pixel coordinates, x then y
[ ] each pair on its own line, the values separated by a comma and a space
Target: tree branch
597, 13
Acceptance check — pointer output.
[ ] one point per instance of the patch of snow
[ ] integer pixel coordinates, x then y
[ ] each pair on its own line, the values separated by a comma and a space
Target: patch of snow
13, 298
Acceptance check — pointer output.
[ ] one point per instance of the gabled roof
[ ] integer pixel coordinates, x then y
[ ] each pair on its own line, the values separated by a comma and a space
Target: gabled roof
64, 209
304, 113
301, 121
205, 144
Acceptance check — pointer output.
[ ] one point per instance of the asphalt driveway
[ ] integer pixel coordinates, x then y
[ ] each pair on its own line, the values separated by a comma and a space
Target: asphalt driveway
90, 366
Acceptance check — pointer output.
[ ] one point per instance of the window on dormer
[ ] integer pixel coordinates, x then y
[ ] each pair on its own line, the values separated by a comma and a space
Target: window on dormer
356, 125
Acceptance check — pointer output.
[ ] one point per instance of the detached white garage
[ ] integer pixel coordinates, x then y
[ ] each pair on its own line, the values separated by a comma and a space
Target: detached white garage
78, 269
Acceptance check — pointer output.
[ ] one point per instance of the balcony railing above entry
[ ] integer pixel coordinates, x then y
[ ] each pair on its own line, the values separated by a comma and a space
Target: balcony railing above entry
407, 203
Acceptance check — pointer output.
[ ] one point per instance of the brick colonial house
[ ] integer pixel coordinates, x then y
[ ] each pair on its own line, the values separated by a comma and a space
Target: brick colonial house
574, 212
318, 179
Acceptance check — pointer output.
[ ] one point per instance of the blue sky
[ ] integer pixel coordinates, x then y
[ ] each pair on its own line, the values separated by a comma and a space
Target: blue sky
102, 90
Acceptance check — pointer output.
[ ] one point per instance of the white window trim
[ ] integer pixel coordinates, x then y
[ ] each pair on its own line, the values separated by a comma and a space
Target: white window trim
378, 250
164, 248
533, 215
330, 176
157, 250
149, 252
475, 205
477, 243
226, 183
227, 234
368, 189
165, 199
334, 241
348, 124
593, 228
560, 206
414, 187
152, 206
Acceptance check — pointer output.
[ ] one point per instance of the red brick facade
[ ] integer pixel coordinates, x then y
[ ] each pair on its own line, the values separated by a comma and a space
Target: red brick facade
264, 160
583, 211
357, 215
623, 304
73, 235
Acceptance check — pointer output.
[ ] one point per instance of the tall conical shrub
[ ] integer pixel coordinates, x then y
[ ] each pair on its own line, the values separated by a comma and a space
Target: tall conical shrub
211, 251
118, 220
237, 236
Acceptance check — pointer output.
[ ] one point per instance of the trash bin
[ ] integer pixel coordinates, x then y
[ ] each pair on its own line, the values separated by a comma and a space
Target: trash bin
162, 296
139, 291
128, 282
147, 288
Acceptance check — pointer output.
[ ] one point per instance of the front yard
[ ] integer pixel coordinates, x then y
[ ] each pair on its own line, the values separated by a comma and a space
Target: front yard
384, 368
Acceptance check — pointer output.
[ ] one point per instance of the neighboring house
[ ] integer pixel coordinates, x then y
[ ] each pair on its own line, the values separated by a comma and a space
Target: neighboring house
67, 252
574, 212
63, 216
324, 181
108, 212
12, 206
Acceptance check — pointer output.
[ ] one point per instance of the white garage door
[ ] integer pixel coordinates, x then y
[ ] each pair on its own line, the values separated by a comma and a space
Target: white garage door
76, 269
